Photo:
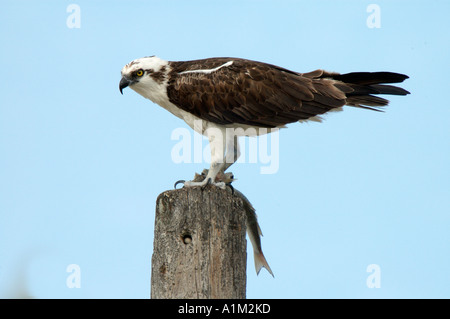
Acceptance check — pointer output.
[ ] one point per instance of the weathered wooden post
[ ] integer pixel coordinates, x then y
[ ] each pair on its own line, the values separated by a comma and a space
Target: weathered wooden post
199, 248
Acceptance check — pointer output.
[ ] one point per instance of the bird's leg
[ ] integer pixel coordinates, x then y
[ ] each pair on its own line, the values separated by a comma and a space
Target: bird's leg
233, 152
217, 145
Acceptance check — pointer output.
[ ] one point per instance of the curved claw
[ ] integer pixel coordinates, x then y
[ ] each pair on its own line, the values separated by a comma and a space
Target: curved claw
231, 187
208, 181
181, 181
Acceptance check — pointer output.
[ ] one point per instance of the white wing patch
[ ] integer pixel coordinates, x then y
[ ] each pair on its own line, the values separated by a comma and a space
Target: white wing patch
207, 71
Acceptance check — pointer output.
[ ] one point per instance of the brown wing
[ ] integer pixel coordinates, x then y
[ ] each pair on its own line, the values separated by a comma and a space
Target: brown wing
252, 93
260, 94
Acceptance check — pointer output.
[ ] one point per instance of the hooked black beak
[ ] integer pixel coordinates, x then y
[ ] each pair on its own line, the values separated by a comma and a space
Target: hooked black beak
124, 82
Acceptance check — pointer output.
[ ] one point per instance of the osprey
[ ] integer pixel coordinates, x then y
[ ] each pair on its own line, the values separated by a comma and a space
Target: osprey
217, 96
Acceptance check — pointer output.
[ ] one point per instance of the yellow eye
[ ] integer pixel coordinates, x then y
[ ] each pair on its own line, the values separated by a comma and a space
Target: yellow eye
139, 73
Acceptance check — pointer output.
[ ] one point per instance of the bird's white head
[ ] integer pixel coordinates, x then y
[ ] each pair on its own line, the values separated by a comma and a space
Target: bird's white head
147, 76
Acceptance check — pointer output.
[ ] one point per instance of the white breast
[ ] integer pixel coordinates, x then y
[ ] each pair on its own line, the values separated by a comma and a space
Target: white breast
157, 93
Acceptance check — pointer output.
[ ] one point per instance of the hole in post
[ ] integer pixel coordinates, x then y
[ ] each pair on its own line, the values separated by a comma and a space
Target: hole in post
187, 238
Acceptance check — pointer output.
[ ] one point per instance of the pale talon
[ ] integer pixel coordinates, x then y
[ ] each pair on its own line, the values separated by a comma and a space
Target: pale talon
221, 185
204, 183
190, 184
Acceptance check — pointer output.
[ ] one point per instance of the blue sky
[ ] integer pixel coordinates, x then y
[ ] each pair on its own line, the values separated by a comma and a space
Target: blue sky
81, 165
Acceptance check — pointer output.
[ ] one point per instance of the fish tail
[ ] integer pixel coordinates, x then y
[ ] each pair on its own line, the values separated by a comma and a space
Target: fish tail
260, 262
